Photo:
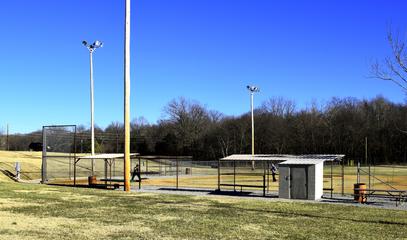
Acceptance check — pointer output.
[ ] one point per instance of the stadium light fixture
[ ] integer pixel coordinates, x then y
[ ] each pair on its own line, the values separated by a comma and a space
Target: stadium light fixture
92, 47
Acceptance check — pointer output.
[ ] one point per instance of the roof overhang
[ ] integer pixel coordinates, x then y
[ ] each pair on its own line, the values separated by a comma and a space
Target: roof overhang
107, 156
290, 159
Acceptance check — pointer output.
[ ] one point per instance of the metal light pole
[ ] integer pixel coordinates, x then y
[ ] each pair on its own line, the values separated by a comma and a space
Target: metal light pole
92, 48
252, 90
127, 97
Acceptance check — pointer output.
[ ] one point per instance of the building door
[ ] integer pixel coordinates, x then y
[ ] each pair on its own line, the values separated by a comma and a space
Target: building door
298, 182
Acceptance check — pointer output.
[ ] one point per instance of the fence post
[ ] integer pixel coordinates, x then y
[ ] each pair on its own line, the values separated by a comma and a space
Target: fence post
177, 171
343, 178
139, 181
219, 174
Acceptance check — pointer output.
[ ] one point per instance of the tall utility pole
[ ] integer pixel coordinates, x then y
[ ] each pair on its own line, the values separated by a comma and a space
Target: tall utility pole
252, 90
127, 98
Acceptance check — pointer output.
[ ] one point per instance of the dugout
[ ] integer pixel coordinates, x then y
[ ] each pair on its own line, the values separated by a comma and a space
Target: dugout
110, 162
300, 176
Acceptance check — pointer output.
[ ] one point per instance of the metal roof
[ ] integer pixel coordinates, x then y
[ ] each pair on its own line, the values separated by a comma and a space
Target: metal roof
285, 157
107, 156
302, 161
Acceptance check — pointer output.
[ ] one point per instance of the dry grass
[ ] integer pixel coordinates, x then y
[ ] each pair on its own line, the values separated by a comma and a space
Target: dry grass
30, 211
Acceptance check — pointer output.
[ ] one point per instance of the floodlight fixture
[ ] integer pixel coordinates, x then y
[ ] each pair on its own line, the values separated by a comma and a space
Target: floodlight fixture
97, 44
253, 88
92, 47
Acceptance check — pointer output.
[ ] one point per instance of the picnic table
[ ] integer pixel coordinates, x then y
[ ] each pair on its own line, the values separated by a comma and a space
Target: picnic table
397, 195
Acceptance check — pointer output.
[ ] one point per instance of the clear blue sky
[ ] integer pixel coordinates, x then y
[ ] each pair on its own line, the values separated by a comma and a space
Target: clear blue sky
206, 50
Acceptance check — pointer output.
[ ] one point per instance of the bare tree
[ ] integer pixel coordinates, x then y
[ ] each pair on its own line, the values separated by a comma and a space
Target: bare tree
279, 106
393, 68
189, 118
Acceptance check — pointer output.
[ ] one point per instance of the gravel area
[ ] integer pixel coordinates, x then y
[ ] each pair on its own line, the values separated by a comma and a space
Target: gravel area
273, 196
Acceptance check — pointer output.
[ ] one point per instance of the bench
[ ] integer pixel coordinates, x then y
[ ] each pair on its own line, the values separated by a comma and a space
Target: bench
118, 180
396, 195
243, 185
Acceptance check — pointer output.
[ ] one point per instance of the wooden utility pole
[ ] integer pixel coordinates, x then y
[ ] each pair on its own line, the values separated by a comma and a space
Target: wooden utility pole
127, 98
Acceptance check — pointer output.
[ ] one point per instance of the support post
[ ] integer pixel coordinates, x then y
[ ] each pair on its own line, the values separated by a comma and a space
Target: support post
92, 121
110, 170
264, 178
343, 177
176, 171
44, 156
127, 98
268, 176
74, 151
218, 174
106, 173
139, 181
332, 162
358, 173
234, 175
74, 172
367, 160
252, 111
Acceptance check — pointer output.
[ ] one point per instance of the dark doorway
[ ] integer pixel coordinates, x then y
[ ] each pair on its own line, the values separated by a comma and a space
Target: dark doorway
298, 182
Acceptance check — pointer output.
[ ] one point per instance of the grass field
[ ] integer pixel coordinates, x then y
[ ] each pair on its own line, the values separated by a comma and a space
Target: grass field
32, 211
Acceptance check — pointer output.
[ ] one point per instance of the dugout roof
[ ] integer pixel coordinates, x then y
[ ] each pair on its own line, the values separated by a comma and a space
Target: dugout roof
285, 158
107, 156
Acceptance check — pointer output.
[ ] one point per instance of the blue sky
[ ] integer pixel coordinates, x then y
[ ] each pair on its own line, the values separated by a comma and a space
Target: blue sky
206, 50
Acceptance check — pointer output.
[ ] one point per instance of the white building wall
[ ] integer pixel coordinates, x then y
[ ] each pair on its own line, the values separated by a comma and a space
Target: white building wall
319, 181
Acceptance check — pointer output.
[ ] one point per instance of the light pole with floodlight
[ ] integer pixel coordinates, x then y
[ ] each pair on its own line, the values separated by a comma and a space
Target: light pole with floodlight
252, 90
92, 47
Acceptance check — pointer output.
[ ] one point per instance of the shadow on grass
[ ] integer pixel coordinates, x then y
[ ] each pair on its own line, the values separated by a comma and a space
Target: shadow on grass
9, 174
96, 186
221, 192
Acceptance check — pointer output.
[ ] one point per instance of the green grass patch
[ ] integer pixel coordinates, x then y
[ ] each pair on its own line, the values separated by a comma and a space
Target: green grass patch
30, 211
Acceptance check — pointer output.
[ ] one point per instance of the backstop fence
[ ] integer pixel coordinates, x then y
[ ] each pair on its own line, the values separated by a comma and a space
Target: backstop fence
58, 152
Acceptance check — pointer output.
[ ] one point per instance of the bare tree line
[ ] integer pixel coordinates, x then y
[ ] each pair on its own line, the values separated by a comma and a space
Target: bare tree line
189, 128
